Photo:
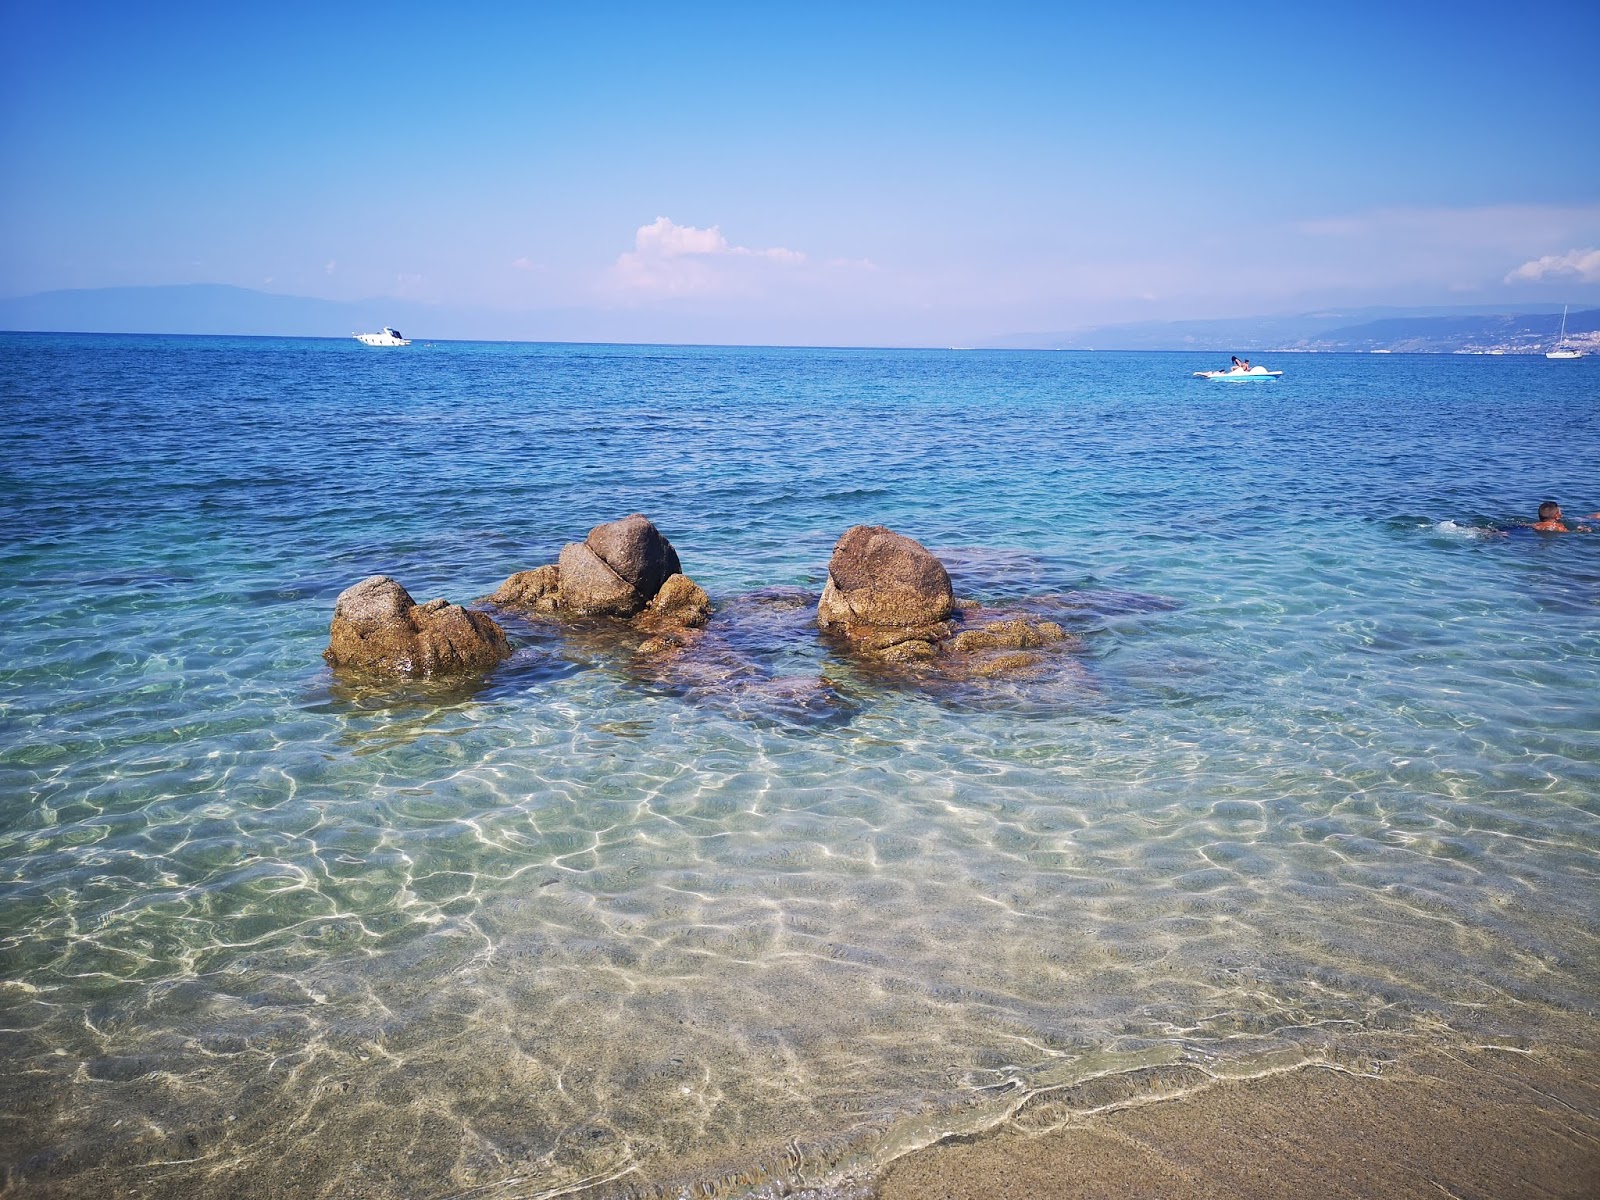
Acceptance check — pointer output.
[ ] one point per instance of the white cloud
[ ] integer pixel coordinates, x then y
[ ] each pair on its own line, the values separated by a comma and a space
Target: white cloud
526, 264
1583, 265
665, 239
328, 270
669, 259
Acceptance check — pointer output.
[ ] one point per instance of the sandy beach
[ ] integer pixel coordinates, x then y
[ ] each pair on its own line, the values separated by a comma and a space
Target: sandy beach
1486, 1124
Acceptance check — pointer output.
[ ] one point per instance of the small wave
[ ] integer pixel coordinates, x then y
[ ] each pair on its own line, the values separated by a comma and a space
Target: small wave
1454, 529
860, 493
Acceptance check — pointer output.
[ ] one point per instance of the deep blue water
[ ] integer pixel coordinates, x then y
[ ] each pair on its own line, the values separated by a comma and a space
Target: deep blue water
1326, 769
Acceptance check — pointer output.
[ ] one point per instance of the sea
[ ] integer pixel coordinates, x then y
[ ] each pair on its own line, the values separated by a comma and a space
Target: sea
1320, 774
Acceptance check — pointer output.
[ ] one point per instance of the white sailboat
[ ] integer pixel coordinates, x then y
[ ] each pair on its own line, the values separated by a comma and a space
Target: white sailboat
1563, 350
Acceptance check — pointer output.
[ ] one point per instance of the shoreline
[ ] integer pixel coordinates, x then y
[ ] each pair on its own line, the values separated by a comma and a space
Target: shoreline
1487, 1122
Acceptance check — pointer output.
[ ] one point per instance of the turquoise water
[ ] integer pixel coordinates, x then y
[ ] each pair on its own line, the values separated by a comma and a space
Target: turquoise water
1326, 769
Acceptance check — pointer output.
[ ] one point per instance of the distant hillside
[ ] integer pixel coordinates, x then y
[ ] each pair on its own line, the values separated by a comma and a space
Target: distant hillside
1424, 331
210, 308
186, 308
221, 309
1510, 333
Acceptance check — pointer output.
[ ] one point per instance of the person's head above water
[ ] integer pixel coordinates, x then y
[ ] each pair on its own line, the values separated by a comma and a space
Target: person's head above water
1550, 518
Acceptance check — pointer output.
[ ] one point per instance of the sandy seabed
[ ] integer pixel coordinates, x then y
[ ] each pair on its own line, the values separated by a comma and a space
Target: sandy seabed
1482, 1124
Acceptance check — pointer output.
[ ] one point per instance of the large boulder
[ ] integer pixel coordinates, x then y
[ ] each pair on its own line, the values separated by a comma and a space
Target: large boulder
891, 601
879, 577
588, 587
635, 549
378, 628
616, 570
886, 593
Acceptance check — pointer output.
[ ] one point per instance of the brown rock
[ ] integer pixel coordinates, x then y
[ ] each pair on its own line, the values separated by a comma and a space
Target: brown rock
377, 627
661, 644
538, 589
617, 569
1004, 665
879, 577
680, 604
1008, 635
589, 587
634, 548
887, 595
876, 639
910, 651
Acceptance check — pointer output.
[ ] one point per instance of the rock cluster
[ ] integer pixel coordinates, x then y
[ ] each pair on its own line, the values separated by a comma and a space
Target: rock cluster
889, 598
624, 569
379, 628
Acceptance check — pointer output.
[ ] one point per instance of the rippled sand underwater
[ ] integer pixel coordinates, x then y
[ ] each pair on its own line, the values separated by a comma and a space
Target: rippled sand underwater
1324, 775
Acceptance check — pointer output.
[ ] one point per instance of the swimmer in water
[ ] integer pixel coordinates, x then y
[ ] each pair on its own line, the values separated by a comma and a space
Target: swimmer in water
1550, 519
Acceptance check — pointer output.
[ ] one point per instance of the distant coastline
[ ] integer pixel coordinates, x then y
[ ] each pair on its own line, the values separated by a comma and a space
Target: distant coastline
222, 310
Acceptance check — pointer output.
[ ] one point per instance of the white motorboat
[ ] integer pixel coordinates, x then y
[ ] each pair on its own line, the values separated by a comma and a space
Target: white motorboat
1239, 374
389, 337
1563, 349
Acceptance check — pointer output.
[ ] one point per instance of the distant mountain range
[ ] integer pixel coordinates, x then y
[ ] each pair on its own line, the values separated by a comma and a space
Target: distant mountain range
206, 308
1399, 331
221, 309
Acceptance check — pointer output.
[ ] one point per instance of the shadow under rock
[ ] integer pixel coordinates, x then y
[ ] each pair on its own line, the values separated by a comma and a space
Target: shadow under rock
1034, 581
758, 660
536, 660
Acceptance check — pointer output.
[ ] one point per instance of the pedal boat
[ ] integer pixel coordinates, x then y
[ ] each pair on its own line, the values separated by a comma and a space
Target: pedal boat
1235, 375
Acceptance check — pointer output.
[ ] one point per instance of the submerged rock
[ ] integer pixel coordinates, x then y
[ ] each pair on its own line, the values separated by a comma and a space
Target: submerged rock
758, 661
378, 628
1014, 634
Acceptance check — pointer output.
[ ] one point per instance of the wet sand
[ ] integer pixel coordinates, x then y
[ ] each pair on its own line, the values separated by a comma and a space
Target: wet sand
1484, 1124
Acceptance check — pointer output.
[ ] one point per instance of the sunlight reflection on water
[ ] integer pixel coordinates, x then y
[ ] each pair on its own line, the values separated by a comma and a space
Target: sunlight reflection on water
1325, 766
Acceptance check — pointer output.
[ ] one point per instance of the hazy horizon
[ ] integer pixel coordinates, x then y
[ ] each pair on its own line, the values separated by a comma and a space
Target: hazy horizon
228, 311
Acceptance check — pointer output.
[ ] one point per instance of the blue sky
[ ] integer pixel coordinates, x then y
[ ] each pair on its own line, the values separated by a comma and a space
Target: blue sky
923, 174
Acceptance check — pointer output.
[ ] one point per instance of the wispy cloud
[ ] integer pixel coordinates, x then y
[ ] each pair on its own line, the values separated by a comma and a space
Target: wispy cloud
669, 259
1582, 265
1492, 225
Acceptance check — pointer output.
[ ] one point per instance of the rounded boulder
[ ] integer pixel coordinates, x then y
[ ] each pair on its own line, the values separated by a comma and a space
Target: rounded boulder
617, 569
378, 628
877, 577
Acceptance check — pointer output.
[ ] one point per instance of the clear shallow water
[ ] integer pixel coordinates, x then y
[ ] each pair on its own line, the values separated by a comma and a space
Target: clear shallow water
1328, 770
